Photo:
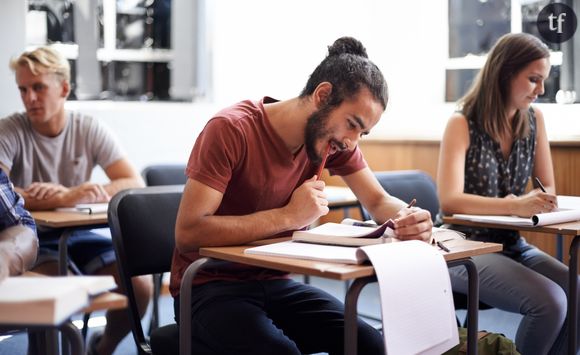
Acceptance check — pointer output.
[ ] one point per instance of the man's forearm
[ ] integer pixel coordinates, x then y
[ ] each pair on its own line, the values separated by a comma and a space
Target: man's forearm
34, 204
117, 185
231, 230
18, 247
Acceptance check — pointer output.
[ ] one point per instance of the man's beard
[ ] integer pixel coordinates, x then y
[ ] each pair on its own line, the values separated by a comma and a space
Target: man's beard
315, 129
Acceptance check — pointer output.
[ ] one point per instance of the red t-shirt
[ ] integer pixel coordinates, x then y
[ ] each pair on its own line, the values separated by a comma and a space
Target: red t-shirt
239, 154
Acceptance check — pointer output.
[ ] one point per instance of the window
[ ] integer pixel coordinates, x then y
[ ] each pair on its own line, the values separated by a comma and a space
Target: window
125, 49
475, 25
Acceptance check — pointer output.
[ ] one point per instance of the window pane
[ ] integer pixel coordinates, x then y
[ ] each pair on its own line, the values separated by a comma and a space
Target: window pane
530, 13
457, 82
474, 25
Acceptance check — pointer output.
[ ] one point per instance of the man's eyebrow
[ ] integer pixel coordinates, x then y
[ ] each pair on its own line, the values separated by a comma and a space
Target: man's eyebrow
361, 123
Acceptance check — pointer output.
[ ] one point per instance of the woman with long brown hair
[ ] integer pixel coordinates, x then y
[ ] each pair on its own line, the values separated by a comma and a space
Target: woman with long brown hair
490, 150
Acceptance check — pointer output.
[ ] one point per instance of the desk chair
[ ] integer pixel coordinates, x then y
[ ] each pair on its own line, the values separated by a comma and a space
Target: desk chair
164, 174
407, 185
160, 175
142, 226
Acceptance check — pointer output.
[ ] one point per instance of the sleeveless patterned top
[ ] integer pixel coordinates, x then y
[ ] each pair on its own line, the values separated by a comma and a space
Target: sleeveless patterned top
488, 173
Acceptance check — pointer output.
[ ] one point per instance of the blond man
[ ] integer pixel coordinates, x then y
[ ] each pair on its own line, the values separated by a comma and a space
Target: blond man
49, 154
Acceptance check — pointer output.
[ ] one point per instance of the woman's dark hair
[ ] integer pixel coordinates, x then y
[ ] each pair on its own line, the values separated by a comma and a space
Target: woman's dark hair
348, 69
487, 99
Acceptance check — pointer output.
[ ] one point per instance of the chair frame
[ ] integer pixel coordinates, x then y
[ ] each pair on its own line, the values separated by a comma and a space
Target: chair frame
161, 175
126, 274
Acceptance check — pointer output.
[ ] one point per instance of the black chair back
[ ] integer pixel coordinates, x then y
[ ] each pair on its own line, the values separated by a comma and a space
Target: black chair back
165, 174
142, 223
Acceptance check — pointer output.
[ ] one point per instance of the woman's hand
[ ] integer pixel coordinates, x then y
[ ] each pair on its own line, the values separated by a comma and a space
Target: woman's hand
532, 203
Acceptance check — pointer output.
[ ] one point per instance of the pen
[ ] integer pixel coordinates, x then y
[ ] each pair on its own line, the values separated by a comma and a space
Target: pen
364, 224
440, 245
540, 184
323, 162
412, 203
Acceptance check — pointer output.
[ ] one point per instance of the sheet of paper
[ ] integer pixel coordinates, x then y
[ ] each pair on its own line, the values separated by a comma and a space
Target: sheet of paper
416, 298
569, 202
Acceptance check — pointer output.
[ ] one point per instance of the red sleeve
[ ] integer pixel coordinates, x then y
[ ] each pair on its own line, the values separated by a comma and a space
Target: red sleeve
216, 153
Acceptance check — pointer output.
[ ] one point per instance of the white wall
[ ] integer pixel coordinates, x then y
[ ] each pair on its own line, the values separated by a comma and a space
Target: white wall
264, 47
12, 28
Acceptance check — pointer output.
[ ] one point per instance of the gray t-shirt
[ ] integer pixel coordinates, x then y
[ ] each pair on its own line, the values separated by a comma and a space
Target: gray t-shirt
67, 159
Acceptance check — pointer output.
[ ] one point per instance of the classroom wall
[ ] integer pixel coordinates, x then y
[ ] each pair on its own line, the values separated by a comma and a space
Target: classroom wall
12, 43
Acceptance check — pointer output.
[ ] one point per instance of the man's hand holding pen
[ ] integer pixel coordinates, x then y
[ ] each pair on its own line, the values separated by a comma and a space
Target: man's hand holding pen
413, 223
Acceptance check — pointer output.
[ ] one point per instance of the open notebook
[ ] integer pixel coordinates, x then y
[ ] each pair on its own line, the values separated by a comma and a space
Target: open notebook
568, 211
48, 300
356, 233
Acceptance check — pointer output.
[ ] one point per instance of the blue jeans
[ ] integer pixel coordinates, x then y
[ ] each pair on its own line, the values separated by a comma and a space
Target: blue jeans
531, 283
90, 250
271, 317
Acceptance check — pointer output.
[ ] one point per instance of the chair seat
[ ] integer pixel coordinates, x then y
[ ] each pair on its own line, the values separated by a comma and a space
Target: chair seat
165, 340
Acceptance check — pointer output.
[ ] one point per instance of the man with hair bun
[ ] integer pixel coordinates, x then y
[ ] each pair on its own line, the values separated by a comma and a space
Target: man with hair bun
49, 154
253, 176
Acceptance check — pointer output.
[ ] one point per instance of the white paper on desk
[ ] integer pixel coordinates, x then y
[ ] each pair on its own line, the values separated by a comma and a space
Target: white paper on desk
569, 202
540, 219
416, 298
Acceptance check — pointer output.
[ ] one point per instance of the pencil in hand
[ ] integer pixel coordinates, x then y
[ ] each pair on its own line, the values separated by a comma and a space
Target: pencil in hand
321, 167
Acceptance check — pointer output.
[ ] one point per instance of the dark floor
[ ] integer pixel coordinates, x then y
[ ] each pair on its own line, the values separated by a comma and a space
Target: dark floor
491, 320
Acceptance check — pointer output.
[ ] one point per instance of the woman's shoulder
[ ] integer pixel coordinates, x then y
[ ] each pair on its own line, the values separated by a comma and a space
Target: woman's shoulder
458, 121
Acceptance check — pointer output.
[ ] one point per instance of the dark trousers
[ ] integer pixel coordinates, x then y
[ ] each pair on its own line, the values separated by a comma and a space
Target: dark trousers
271, 317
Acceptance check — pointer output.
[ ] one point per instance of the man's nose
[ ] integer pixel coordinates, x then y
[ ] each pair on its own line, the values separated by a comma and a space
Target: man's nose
350, 142
30, 96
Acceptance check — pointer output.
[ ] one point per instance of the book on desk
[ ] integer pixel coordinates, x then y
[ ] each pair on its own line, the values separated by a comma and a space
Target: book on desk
46, 300
355, 233
87, 208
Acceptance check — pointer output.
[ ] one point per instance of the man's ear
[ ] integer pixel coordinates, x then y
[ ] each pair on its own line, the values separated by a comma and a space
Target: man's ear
65, 88
322, 94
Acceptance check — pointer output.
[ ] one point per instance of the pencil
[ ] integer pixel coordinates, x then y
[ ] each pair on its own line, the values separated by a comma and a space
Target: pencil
323, 162
540, 184
440, 245
412, 203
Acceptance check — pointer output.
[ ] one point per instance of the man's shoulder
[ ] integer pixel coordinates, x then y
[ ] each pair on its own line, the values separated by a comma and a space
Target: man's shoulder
15, 121
81, 118
239, 111
14, 117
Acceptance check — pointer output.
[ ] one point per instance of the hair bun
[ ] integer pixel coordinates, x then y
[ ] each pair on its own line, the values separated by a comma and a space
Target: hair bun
347, 45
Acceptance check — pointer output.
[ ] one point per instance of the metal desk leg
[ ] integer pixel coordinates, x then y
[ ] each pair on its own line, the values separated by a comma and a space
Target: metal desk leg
472, 302
74, 337
350, 313
573, 296
63, 252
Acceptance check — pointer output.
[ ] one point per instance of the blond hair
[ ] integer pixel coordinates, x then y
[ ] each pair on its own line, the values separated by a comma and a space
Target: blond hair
487, 99
43, 60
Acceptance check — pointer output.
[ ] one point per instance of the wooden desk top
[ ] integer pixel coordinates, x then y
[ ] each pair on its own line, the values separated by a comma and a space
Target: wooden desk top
106, 301
340, 197
460, 249
568, 228
58, 219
